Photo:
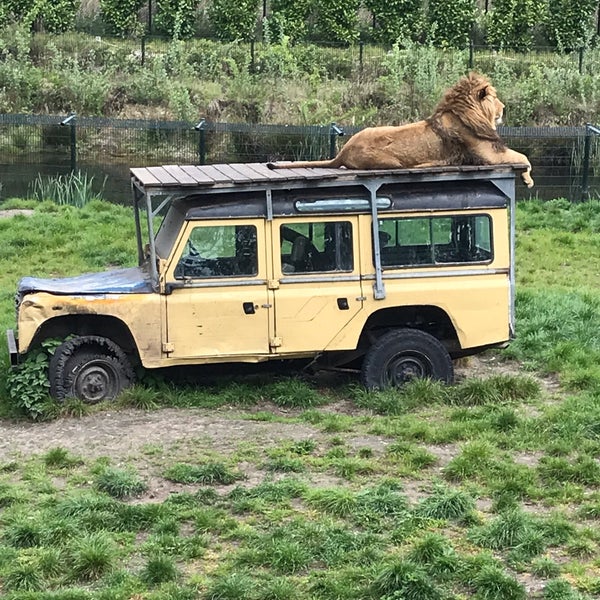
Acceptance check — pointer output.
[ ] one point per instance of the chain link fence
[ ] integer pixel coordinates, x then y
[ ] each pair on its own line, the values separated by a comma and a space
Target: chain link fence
564, 159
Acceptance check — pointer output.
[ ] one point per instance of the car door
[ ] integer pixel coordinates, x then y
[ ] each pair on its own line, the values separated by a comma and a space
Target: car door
217, 302
318, 287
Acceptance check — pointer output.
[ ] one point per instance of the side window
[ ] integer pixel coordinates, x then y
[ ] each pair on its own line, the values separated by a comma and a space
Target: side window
219, 251
435, 240
316, 247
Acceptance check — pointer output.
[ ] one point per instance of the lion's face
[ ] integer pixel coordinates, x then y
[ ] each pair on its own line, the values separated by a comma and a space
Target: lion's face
491, 105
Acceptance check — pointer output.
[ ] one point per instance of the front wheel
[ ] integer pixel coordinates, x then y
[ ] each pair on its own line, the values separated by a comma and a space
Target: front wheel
90, 368
402, 355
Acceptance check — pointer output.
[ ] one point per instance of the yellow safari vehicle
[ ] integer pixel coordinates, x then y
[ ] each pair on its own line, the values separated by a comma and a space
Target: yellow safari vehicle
389, 273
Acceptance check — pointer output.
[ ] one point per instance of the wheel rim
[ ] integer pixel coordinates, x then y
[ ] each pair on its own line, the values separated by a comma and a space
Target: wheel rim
405, 367
96, 381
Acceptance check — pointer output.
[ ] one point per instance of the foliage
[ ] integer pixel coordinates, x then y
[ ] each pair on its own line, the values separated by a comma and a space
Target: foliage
450, 22
570, 25
512, 22
175, 18
55, 16
233, 20
74, 189
121, 16
288, 18
28, 386
334, 20
396, 21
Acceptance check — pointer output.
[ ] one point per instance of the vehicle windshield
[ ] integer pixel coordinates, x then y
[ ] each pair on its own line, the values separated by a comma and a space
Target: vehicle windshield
169, 227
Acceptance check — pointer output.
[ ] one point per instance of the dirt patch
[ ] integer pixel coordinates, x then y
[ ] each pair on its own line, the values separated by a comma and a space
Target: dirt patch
5, 214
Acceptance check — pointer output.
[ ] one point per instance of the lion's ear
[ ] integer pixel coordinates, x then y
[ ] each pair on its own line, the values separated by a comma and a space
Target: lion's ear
483, 93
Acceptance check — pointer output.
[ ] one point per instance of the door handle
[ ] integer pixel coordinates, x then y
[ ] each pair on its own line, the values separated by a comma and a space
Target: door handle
343, 304
249, 308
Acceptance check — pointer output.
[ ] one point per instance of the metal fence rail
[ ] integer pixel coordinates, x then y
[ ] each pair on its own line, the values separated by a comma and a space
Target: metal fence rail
564, 159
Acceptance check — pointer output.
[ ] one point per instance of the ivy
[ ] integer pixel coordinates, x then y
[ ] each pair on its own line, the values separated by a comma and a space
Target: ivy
570, 25
450, 22
233, 21
121, 16
397, 21
512, 23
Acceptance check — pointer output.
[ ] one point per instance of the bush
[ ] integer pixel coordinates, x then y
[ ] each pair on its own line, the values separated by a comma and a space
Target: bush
176, 18
121, 16
233, 20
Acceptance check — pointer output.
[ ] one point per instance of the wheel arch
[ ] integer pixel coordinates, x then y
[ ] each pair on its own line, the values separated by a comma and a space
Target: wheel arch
428, 318
105, 326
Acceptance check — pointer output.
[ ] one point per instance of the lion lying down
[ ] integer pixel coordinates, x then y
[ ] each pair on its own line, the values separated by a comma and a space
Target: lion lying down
461, 131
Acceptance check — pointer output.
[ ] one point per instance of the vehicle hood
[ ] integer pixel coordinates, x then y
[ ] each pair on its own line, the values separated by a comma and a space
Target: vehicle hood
134, 280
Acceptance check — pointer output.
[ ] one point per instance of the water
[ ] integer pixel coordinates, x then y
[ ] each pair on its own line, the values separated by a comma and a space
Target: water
111, 181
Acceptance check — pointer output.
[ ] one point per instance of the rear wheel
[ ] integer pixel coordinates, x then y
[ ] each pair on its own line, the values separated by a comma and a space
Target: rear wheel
90, 368
402, 355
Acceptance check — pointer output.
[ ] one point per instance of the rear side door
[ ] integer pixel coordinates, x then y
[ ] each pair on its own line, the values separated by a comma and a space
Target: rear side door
316, 280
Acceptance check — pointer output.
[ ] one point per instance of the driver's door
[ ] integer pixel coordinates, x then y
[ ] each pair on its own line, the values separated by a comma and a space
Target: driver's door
217, 301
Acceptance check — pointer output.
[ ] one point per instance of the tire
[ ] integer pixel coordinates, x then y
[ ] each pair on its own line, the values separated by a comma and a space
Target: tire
402, 355
90, 368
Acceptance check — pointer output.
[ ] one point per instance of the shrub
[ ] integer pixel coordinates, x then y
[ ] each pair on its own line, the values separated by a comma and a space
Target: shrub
121, 16
176, 18
450, 22
233, 20
396, 21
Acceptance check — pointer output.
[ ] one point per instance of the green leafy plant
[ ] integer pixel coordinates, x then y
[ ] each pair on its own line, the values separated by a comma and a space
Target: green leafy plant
450, 22
28, 386
121, 16
233, 20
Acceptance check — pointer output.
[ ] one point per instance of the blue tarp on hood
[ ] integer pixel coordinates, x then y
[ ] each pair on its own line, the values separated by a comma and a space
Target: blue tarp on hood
134, 280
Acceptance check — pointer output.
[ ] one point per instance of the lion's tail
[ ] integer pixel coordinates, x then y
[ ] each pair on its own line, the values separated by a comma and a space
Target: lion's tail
310, 164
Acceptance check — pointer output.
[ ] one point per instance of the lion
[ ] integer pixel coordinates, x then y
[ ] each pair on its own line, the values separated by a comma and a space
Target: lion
461, 131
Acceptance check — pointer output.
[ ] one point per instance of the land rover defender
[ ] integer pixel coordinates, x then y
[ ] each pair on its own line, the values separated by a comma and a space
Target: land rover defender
392, 274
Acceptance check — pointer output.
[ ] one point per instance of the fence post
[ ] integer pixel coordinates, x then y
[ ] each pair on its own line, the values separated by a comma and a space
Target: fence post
471, 53
201, 141
589, 131
143, 50
361, 48
334, 131
71, 121
581, 60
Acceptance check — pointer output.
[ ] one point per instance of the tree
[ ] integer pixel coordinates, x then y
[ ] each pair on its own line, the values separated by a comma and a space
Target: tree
55, 16
121, 16
512, 22
334, 20
233, 20
570, 25
396, 21
288, 18
450, 22
176, 18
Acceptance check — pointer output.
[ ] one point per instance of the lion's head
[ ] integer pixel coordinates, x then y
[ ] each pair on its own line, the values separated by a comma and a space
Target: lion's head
475, 103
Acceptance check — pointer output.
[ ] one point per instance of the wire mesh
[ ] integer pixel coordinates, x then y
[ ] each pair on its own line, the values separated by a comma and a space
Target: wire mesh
103, 148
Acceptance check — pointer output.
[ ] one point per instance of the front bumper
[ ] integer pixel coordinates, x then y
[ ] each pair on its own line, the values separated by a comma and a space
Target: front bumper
13, 351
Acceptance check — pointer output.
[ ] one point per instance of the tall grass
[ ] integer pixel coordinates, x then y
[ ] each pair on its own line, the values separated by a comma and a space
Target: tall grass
74, 189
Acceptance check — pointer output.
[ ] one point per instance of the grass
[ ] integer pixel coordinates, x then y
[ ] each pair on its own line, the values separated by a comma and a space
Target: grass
473, 490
